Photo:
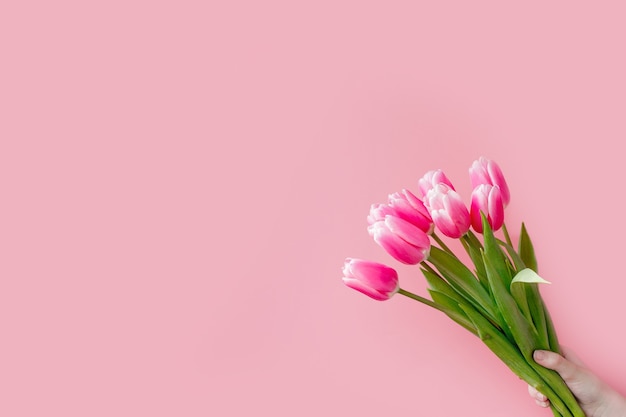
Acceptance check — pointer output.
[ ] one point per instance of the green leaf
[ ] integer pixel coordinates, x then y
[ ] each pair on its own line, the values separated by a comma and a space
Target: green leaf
452, 309
473, 240
495, 255
526, 337
464, 282
526, 249
517, 260
517, 326
474, 253
527, 253
437, 283
525, 299
537, 310
552, 337
518, 292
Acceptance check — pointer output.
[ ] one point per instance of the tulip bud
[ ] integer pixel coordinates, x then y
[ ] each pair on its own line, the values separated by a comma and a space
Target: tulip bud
485, 171
371, 278
402, 240
448, 211
430, 179
488, 200
410, 208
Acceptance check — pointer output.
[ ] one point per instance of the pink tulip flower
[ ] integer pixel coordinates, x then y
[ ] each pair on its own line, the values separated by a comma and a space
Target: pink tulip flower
448, 211
404, 241
488, 200
430, 179
371, 278
485, 171
410, 208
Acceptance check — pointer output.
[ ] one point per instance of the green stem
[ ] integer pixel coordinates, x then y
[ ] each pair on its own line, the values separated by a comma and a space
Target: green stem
442, 244
419, 298
473, 239
555, 412
429, 268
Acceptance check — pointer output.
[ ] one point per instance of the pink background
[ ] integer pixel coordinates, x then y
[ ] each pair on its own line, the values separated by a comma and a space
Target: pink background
182, 180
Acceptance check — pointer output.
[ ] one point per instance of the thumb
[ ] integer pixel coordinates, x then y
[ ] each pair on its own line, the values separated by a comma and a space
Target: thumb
569, 371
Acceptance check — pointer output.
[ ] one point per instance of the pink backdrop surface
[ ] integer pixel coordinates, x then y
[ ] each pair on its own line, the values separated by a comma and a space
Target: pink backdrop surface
181, 181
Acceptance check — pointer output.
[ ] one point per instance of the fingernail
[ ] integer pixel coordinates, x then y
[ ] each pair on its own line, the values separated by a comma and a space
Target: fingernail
539, 355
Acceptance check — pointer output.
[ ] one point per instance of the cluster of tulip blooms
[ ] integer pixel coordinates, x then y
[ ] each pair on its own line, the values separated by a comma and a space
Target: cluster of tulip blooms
498, 300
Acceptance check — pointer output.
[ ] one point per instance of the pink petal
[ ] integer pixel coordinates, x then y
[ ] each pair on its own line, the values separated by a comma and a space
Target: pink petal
359, 286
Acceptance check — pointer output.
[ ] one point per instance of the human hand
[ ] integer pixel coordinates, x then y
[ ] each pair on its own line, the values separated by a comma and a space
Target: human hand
595, 397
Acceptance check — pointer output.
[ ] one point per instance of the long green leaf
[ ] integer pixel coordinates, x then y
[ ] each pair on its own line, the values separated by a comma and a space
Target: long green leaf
517, 325
552, 337
526, 249
517, 260
440, 286
473, 250
527, 253
464, 282
537, 311
451, 308
525, 336
527, 295
437, 283
495, 254
519, 292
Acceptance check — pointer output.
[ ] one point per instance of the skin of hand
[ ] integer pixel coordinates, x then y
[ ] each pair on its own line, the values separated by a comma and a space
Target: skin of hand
595, 397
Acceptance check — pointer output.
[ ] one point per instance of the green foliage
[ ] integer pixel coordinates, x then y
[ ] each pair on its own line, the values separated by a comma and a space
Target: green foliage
499, 301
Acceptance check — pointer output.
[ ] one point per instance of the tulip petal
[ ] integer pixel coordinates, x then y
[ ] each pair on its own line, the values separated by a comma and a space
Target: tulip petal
410, 233
410, 208
496, 208
375, 275
378, 212
445, 224
430, 180
497, 178
397, 247
355, 284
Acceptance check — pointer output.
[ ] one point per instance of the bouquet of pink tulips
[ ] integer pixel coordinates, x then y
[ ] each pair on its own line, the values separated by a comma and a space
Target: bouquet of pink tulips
497, 299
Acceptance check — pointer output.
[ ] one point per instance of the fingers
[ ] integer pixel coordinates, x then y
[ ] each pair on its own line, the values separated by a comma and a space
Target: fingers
539, 398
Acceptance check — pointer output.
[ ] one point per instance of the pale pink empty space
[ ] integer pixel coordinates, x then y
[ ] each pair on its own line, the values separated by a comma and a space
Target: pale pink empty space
180, 182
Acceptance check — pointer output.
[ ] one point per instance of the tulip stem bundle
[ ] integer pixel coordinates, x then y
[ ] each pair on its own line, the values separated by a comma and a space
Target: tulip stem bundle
498, 301
512, 321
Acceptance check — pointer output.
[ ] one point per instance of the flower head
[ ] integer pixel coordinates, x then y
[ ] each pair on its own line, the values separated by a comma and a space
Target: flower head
430, 179
448, 211
371, 278
410, 208
404, 241
486, 171
488, 200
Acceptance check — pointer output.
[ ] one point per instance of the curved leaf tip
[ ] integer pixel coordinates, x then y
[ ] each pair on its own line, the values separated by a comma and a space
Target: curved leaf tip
529, 276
